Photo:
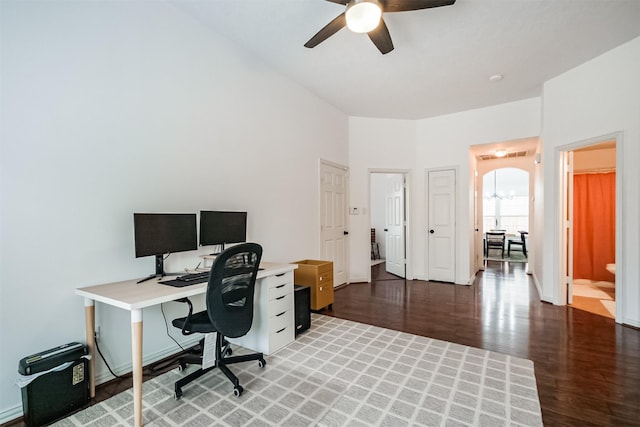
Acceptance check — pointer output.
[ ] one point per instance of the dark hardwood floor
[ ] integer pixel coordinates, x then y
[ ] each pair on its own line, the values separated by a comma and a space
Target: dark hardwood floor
587, 367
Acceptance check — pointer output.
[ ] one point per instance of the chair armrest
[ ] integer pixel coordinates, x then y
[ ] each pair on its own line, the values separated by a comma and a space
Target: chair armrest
188, 318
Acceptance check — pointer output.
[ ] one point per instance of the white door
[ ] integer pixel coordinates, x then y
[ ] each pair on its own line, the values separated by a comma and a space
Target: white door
333, 219
441, 225
395, 225
566, 269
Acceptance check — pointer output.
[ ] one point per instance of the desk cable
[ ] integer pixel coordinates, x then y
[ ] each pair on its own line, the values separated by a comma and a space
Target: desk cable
95, 339
166, 327
154, 368
162, 365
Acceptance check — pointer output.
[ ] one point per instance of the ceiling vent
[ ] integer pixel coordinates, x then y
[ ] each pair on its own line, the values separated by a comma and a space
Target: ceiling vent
506, 156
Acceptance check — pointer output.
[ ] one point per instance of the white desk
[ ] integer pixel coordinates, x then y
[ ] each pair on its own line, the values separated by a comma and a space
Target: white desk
134, 297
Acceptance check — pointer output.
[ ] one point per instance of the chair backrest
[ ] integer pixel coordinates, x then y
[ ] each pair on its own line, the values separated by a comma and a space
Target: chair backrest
495, 237
230, 292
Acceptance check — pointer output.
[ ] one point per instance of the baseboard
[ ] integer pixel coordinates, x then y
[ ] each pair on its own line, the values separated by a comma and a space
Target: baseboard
631, 322
15, 412
11, 414
471, 279
537, 285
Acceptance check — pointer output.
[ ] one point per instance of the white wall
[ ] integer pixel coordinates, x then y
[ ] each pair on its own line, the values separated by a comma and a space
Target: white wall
109, 108
373, 144
424, 144
444, 142
598, 98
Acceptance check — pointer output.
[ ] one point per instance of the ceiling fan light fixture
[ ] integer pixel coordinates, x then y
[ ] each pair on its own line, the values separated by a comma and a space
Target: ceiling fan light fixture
363, 15
501, 152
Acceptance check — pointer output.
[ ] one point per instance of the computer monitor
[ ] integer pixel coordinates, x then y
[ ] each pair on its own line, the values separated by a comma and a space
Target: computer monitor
221, 227
158, 234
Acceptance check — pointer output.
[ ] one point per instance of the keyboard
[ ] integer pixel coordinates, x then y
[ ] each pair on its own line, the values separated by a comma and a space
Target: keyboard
194, 277
187, 280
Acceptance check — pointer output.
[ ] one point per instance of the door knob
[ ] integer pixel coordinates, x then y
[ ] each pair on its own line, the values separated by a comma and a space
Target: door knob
432, 231
386, 229
345, 232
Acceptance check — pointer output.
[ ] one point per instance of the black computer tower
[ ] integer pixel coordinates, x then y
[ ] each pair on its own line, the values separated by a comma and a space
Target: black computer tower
302, 297
58, 392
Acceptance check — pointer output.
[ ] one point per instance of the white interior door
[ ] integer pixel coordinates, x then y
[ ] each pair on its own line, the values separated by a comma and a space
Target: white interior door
566, 269
333, 219
477, 216
441, 223
395, 225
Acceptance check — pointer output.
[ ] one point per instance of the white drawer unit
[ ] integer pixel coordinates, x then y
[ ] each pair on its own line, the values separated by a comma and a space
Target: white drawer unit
273, 315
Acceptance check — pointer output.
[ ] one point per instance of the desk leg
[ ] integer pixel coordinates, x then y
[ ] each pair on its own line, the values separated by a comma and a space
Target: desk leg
90, 328
136, 354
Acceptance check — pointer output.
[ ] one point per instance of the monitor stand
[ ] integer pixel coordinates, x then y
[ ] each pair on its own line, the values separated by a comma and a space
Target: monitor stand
159, 270
219, 252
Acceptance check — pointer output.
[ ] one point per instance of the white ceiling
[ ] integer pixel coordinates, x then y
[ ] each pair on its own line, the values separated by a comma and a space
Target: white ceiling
443, 57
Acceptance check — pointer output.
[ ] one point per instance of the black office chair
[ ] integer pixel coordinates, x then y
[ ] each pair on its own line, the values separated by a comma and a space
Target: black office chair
494, 240
522, 243
229, 298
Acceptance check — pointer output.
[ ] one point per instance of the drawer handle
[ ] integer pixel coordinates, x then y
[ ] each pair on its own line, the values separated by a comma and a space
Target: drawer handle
280, 275
277, 332
278, 315
321, 278
281, 297
281, 286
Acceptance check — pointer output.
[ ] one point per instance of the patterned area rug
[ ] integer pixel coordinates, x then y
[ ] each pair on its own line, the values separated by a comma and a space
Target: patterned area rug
343, 373
515, 257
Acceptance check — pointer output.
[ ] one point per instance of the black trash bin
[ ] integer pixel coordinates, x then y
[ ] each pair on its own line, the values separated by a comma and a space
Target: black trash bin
302, 311
54, 383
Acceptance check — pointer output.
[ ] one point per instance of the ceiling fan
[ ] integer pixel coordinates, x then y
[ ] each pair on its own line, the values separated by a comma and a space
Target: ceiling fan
365, 16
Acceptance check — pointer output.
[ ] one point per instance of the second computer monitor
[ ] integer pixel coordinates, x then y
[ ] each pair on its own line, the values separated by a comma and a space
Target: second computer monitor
221, 227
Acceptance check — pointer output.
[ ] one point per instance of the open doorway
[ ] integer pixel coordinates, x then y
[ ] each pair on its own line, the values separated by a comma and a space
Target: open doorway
505, 215
504, 183
389, 221
591, 241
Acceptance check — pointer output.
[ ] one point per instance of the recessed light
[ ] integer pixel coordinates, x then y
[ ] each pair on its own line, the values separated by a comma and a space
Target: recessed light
496, 77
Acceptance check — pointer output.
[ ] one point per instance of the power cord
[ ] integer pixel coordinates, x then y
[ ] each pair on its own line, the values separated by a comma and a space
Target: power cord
166, 327
153, 368
164, 365
95, 339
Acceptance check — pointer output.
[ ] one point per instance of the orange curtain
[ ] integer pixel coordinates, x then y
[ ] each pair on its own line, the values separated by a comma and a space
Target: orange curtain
594, 232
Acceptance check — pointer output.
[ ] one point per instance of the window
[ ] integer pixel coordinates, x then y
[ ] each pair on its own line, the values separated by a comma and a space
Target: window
506, 200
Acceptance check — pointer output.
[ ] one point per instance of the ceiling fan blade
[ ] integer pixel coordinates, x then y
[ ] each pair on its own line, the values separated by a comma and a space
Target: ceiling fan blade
343, 2
405, 5
381, 38
330, 29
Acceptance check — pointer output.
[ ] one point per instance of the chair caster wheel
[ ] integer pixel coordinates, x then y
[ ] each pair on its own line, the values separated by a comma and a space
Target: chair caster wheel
229, 351
182, 367
238, 391
262, 363
177, 394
